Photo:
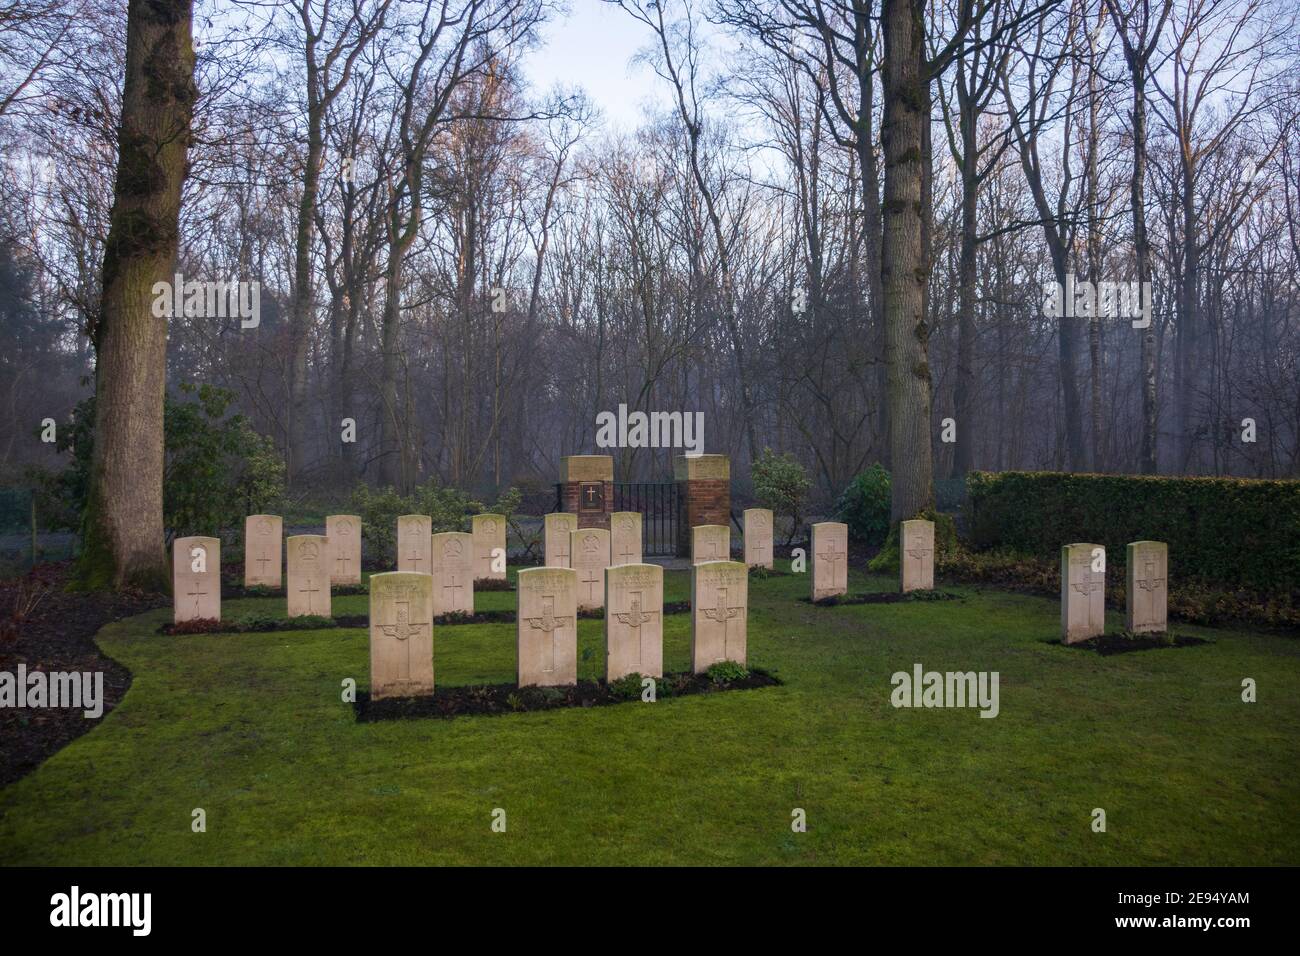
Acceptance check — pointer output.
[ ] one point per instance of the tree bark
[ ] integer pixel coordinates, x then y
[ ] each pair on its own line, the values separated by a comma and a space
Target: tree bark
123, 523
903, 266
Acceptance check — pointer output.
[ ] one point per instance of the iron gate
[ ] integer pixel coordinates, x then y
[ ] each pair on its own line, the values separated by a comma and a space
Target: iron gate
660, 505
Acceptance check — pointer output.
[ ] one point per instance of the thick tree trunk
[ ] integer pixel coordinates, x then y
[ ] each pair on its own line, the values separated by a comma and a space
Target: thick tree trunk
123, 524
300, 319
903, 266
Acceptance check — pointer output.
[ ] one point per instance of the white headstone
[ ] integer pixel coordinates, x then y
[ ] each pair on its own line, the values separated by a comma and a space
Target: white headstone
453, 573
308, 588
413, 544
758, 537
344, 532
1147, 604
830, 559
547, 627
625, 537
196, 579
401, 635
262, 551
489, 534
710, 542
556, 528
719, 613
916, 555
589, 549
634, 621
1083, 592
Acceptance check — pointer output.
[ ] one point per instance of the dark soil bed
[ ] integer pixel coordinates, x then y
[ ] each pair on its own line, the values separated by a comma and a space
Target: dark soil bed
1123, 642
882, 597
509, 699
57, 634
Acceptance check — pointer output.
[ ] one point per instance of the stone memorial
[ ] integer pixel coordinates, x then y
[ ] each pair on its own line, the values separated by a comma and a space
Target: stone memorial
556, 528
1147, 597
401, 635
413, 543
590, 557
196, 579
308, 588
344, 532
489, 534
719, 613
916, 555
1083, 592
453, 573
830, 559
547, 627
263, 557
758, 538
710, 542
634, 621
625, 537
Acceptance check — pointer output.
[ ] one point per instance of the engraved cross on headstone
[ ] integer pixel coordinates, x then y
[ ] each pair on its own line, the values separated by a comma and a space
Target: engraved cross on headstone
453, 587
1150, 582
833, 557
196, 593
309, 591
548, 624
723, 615
403, 629
634, 617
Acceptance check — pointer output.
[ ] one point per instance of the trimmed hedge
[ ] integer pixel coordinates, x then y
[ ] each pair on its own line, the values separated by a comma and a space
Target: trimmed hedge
1228, 531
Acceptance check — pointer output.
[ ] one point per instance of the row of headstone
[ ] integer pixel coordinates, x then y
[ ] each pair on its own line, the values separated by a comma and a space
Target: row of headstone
624, 535
263, 555
467, 555
1083, 590
402, 612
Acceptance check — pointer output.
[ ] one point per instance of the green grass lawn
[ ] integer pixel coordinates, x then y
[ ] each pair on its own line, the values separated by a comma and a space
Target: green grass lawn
251, 728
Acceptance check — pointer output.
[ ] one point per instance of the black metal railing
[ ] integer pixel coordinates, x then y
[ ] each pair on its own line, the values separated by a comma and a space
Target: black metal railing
660, 504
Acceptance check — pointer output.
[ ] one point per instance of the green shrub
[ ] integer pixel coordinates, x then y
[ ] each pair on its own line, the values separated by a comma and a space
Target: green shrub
725, 672
447, 507
781, 484
864, 505
217, 469
1233, 532
627, 687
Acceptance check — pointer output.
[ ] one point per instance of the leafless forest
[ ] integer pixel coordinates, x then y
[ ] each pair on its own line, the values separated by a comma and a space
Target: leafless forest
471, 269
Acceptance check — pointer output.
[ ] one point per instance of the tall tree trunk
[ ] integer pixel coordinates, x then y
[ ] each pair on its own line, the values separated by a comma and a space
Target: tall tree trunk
300, 317
123, 524
963, 391
902, 261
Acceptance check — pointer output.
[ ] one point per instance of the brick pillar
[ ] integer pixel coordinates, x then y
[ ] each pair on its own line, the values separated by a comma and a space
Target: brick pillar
704, 484
588, 488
